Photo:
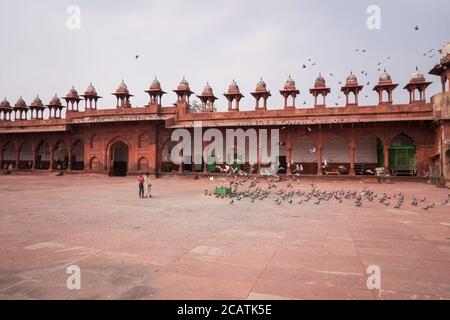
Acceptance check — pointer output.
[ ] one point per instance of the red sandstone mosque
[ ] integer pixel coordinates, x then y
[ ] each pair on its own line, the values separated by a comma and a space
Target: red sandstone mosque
405, 139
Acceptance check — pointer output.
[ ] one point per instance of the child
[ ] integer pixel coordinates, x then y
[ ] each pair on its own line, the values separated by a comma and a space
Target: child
147, 185
141, 185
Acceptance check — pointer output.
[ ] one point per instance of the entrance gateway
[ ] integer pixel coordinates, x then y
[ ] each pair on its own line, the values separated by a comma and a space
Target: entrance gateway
119, 159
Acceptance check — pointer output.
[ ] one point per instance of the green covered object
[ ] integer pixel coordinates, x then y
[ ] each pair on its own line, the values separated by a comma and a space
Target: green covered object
223, 190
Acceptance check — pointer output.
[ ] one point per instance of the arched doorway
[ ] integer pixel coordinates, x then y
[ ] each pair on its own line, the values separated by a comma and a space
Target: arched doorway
302, 154
143, 164
369, 154
77, 160
42, 159
60, 156
402, 156
166, 162
335, 156
25, 156
119, 159
9, 156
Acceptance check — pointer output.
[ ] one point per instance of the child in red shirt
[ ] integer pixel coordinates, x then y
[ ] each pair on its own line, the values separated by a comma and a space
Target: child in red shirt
141, 185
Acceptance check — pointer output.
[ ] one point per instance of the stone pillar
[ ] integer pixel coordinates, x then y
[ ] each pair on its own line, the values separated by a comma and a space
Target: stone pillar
258, 165
352, 160
319, 160
69, 155
17, 159
33, 161
289, 160
386, 159
52, 154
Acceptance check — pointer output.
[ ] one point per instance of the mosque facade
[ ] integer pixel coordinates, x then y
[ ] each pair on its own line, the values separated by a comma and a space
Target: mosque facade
75, 136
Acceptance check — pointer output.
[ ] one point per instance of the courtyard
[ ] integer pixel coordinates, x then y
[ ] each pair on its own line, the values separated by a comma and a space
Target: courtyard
185, 244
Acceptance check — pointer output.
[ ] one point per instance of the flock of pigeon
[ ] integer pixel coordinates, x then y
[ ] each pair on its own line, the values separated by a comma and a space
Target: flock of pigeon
310, 63
282, 191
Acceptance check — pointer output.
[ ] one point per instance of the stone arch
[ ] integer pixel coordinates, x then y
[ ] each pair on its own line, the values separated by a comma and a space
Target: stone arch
60, 155
43, 154
9, 155
335, 149
143, 164
94, 164
166, 162
352, 97
385, 95
402, 139
77, 154
403, 155
125, 152
300, 150
304, 152
369, 153
366, 147
25, 155
336, 153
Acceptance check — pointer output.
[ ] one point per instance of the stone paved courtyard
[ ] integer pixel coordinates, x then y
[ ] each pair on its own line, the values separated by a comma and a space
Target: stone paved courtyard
184, 245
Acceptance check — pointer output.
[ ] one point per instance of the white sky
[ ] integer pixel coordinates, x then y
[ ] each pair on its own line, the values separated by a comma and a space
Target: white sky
215, 41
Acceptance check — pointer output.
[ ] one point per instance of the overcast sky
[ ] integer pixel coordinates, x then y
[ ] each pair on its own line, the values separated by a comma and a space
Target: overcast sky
215, 41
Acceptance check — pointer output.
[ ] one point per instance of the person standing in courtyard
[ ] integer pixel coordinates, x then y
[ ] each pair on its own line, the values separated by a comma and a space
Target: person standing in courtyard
147, 185
141, 181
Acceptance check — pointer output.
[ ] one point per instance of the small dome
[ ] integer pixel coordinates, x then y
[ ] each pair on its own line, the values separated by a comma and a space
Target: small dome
289, 83
20, 103
55, 101
261, 85
320, 82
122, 88
90, 91
446, 50
385, 76
207, 91
183, 83
73, 93
233, 88
417, 76
5, 104
37, 102
351, 79
155, 85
